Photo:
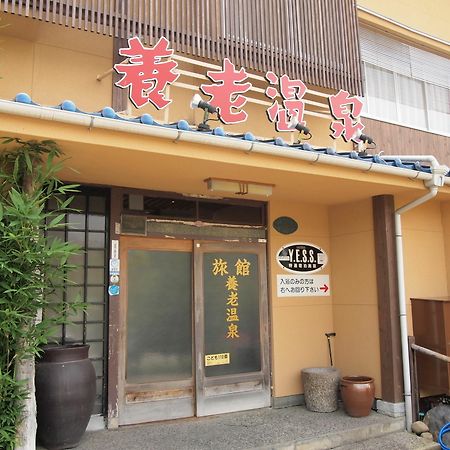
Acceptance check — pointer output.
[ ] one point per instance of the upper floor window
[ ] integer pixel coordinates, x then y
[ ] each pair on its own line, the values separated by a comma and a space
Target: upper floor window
404, 84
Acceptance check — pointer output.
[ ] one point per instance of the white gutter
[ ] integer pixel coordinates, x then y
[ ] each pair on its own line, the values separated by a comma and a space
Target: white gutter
90, 121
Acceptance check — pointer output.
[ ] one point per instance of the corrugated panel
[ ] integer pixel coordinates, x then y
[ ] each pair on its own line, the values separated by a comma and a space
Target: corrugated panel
314, 40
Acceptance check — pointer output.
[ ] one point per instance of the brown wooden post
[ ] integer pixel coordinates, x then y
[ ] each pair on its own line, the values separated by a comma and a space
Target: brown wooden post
388, 310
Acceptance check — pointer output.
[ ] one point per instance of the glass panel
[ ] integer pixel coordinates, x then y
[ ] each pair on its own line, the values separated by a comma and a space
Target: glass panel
93, 313
74, 332
96, 257
97, 222
97, 204
76, 221
79, 202
96, 240
74, 293
77, 260
170, 207
76, 237
381, 92
76, 276
159, 331
231, 297
94, 331
95, 349
95, 294
411, 101
438, 101
52, 235
96, 276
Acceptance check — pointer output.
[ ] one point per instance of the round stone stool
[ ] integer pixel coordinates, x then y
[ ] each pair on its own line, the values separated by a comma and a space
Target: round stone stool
321, 385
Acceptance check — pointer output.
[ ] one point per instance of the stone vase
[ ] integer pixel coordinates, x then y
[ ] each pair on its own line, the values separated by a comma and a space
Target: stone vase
321, 386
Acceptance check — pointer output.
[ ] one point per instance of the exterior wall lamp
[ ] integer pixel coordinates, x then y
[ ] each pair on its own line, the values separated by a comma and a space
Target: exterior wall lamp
239, 187
198, 102
302, 129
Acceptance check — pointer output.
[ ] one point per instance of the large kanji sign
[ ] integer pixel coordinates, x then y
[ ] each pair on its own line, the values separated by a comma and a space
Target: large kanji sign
149, 71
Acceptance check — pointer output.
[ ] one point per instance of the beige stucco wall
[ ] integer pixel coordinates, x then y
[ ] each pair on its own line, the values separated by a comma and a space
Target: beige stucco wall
355, 312
425, 234
418, 23
298, 324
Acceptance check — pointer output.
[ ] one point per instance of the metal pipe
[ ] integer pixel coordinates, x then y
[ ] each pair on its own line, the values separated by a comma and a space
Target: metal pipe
402, 298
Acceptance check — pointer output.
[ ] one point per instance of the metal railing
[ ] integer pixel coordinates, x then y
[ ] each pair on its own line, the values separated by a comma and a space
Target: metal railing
415, 390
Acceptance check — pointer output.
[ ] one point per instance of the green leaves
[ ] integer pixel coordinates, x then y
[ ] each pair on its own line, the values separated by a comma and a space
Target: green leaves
32, 266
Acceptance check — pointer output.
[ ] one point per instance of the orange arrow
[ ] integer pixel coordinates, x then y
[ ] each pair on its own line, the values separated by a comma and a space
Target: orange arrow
324, 288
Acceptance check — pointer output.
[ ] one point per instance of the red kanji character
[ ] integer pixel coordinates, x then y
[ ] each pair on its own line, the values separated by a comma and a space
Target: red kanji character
346, 110
225, 94
292, 92
146, 74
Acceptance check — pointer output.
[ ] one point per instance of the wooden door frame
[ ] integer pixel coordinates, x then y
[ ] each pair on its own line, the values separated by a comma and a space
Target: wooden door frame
244, 380
182, 388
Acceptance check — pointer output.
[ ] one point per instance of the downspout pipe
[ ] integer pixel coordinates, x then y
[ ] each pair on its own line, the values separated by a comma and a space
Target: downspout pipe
439, 172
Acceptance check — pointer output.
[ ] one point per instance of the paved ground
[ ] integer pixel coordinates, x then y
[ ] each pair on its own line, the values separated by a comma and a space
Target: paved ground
264, 428
393, 441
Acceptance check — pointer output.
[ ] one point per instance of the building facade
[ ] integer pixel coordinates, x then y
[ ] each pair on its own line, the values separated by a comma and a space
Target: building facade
216, 258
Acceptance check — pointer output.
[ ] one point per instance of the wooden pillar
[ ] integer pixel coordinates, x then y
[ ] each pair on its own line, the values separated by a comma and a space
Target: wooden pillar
388, 310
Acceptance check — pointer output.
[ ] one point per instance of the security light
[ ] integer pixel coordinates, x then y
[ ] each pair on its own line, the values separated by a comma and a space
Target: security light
198, 102
365, 139
302, 129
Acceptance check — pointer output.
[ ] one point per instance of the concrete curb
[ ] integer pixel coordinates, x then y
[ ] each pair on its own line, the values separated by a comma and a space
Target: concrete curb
346, 437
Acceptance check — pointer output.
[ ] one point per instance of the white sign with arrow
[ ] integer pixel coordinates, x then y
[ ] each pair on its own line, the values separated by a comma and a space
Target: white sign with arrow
303, 285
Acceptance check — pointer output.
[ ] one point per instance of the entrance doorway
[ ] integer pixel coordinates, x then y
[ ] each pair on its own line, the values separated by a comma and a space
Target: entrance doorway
194, 328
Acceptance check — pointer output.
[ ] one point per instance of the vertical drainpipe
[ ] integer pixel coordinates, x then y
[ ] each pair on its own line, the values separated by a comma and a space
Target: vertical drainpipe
437, 181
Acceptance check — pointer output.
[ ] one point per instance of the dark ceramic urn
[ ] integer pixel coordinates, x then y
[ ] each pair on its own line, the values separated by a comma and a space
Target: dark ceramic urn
65, 395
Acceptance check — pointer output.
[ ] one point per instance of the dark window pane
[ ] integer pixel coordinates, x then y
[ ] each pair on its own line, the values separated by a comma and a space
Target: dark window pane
97, 204
96, 222
79, 202
167, 207
226, 213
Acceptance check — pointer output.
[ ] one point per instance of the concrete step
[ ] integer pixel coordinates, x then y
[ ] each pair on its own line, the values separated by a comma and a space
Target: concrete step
348, 437
393, 441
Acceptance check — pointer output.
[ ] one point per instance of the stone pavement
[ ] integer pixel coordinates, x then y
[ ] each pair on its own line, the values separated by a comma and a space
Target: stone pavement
280, 429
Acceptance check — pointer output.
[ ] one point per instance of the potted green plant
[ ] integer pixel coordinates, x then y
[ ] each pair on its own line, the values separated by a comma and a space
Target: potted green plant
32, 268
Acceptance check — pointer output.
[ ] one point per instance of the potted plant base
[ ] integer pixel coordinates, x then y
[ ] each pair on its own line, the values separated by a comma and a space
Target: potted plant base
65, 395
